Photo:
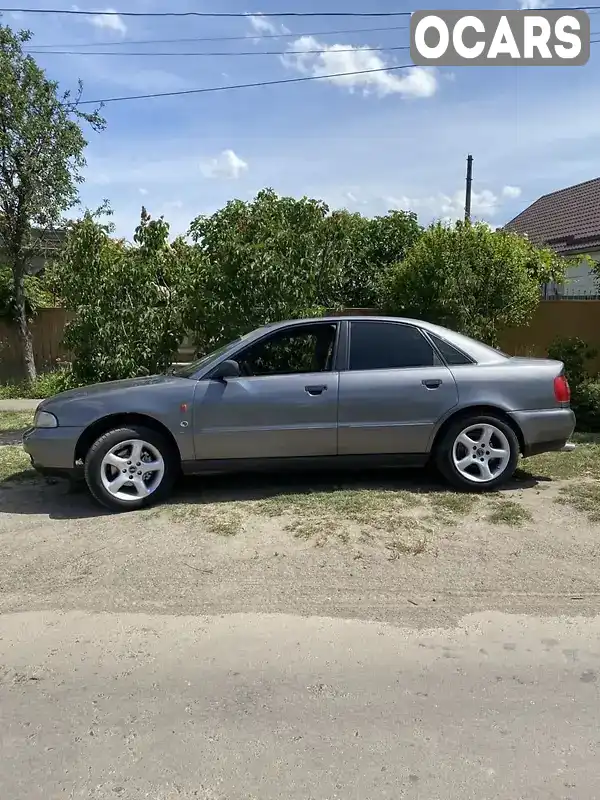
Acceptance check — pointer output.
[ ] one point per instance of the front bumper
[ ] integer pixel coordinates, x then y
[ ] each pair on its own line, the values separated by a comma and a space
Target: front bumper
545, 430
52, 450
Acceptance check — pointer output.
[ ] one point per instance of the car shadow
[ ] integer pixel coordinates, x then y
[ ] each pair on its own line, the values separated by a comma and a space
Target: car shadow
59, 500
265, 486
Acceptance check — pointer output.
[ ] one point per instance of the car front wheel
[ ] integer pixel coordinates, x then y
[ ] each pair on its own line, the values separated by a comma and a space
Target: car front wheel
479, 453
130, 468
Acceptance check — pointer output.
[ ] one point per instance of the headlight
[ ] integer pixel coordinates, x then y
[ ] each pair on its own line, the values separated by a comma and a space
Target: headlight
43, 419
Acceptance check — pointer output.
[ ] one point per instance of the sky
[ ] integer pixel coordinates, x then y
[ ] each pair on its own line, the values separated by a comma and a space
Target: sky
396, 140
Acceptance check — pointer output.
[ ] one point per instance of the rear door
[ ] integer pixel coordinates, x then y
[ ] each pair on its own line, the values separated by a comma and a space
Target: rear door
394, 391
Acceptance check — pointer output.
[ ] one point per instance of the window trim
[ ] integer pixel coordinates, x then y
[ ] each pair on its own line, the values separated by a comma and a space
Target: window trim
436, 355
429, 335
280, 331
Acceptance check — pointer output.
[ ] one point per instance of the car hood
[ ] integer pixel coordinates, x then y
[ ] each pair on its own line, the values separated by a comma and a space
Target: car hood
110, 387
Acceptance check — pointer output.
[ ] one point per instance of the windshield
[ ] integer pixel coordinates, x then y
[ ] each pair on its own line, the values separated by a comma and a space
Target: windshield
193, 367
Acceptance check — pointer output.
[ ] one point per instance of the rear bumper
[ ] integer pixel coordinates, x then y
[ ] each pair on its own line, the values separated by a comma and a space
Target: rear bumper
545, 430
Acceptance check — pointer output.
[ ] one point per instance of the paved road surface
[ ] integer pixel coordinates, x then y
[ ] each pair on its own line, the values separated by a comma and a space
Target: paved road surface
271, 707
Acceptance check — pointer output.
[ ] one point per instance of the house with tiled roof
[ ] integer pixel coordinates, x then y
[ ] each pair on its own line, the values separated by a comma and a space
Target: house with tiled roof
568, 221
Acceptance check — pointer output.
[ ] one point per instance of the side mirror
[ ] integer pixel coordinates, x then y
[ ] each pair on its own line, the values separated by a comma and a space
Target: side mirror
226, 369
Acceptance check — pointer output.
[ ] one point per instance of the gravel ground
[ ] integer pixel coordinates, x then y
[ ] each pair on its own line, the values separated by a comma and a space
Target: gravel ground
215, 551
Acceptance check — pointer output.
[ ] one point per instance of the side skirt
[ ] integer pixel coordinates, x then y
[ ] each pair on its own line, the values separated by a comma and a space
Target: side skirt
307, 463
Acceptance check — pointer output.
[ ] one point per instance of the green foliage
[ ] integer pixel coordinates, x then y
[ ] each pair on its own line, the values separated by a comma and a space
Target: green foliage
472, 279
128, 299
278, 258
261, 262
585, 401
45, 385
361, 250
41, 158
574, 353
36, 294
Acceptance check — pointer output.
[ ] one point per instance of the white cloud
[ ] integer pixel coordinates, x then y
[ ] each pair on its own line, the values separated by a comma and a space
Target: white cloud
262, 25
109, 21
529, 5
143, 192
511, 192
338, 59
446, 207
226, 165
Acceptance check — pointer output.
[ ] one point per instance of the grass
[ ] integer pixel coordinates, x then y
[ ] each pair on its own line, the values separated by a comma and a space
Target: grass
224, 519
454, 502
15, 420
15, 465
509, 512
583, 497
584, 462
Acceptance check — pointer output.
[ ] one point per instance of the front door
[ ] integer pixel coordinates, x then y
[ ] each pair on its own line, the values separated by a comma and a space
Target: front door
284, 405
394, 391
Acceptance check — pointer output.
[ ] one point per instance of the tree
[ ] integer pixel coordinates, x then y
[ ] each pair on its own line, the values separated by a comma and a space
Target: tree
361, 250
278, 258
36, 294
41, 158
264, 261
472, 279
128, 299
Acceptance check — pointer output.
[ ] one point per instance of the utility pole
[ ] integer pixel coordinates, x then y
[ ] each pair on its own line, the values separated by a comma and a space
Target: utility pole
468, 192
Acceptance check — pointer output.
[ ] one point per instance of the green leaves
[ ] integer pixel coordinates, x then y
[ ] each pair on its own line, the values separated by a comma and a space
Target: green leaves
471, 279
279, 258
41, 158
129, 300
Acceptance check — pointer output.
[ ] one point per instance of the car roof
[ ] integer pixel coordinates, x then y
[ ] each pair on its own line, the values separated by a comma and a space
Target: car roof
349, 318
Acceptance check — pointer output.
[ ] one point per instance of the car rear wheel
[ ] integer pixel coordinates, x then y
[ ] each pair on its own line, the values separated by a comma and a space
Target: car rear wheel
130, 468
478, 453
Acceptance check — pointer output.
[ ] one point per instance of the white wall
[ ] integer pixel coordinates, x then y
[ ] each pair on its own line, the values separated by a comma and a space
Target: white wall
580, 281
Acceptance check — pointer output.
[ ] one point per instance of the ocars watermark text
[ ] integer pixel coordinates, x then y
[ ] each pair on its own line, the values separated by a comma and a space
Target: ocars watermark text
500, 38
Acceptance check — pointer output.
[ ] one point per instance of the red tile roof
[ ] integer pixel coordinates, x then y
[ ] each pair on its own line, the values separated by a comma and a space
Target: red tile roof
567, 220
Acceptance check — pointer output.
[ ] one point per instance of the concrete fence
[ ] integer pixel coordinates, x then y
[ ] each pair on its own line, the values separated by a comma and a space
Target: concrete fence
552, 319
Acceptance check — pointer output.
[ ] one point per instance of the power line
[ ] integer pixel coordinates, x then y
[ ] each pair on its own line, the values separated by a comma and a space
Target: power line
238, 15
243, 85
356, 49
230, 53
346, 32
228, 14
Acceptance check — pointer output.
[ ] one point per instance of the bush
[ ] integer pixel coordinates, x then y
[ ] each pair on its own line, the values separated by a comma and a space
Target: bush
585, 401
45, 385
129, 299
277, 258
574, 353
471, 278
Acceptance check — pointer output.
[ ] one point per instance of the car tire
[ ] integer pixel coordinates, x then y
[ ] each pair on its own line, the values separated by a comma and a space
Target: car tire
471, 443
114, 458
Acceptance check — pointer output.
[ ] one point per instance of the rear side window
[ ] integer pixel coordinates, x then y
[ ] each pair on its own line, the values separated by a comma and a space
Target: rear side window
388, 345
452, 356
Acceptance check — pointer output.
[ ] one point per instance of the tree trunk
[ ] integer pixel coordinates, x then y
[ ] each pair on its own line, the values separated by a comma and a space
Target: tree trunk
23, 323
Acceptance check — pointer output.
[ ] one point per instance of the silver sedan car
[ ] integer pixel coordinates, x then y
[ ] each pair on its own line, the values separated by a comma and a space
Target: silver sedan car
327, 392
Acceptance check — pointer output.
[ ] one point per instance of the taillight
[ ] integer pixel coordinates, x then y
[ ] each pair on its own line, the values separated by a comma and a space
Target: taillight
562, 391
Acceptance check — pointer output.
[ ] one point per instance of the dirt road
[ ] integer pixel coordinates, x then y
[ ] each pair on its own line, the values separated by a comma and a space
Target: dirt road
59, 551
250, 643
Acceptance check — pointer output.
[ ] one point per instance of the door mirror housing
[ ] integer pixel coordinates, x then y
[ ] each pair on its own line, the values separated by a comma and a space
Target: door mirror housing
226, 369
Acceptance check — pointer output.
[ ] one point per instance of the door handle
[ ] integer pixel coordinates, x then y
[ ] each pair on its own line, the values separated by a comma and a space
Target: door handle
314, 391
432, 384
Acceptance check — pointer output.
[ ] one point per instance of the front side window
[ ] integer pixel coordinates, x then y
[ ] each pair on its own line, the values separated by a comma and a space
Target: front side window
388, 345
291, 352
